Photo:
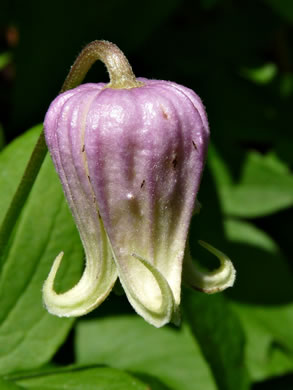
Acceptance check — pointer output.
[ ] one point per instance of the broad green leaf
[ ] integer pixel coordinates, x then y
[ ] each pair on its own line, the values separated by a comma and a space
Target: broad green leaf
264, 187
267, 351
80, 378
29, 335
220, 336
13, 160
6, 385
263, 299
128, 342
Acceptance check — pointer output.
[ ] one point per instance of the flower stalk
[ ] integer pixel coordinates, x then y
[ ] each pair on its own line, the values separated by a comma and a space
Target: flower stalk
117, 65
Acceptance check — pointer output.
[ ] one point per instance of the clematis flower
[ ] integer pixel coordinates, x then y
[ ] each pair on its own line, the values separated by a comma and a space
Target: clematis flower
130, 156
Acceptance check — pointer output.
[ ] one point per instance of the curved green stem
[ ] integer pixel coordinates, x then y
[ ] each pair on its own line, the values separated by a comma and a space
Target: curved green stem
118, 67
121, 76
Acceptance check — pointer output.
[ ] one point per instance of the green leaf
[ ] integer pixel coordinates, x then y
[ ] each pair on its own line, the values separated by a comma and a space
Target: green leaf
13, 160
260, 75
267, 350
29, 335
128, 342
220, 336
264, 299
265, 186
80, 378
6, 385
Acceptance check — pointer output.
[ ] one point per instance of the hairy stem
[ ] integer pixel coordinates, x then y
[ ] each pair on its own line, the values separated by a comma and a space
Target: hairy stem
118, 67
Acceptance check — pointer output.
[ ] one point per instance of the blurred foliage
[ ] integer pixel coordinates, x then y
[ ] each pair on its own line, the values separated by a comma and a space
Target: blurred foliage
238, 56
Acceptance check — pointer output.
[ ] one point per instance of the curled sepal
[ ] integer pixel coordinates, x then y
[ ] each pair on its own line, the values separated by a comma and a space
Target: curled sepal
147, 290
65, 141
209, 282
94, 286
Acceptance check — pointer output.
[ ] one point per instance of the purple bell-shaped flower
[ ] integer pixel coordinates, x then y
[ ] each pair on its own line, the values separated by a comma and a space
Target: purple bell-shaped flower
130, 156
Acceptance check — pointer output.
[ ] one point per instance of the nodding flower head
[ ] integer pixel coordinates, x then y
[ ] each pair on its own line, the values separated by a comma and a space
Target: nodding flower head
130, 156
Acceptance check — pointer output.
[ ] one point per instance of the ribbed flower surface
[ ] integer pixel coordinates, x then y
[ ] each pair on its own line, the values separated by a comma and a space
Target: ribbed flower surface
130, 162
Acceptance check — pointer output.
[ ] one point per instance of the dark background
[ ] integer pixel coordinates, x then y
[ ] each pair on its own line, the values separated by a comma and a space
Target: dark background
237, 55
